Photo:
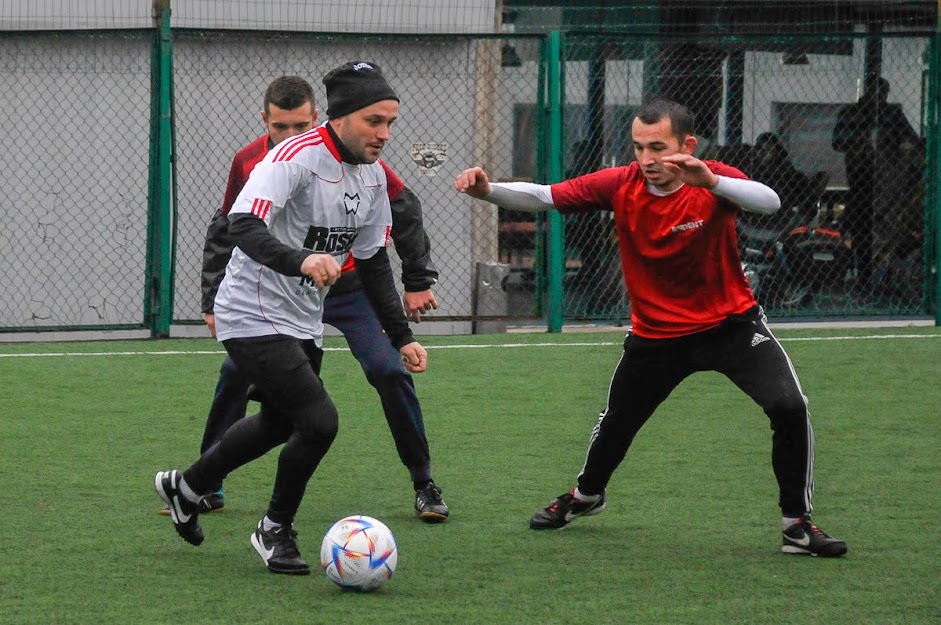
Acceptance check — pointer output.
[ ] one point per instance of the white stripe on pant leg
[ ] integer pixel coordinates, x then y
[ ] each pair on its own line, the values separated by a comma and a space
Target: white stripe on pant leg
809, 467
595, 430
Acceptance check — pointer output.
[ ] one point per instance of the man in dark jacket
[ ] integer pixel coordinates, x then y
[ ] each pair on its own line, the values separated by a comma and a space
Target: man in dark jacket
874, 134
289, 111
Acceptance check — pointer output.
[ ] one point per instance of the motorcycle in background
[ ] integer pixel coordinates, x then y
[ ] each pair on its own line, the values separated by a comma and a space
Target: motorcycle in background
787, 265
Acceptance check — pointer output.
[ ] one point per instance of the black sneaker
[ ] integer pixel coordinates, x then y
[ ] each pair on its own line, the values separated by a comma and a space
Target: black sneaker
184, 512
804, 537
429, 506
278, 548
213, 502
564, 510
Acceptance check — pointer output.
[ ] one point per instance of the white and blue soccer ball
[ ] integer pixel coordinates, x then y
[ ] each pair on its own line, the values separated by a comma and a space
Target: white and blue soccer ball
359, 552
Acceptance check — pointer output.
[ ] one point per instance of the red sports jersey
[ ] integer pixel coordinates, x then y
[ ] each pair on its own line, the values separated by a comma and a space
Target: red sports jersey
245, 160
679, 253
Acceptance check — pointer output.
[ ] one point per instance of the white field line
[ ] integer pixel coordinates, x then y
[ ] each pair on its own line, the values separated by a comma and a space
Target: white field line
431, 347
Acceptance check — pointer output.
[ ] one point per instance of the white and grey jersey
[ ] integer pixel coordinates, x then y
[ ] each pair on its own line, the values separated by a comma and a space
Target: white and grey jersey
308, 198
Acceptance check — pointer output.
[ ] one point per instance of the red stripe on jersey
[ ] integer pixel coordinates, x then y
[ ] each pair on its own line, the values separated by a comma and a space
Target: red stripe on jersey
292, 146
300, 146
291, 151
388, 235
260, 208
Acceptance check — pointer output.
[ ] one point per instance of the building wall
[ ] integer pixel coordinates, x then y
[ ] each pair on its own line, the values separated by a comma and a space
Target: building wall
73, 174
385, 16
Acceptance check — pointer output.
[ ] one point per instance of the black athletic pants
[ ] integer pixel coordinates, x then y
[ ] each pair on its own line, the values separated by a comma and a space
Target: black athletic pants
295, 410
745, 351
351, 313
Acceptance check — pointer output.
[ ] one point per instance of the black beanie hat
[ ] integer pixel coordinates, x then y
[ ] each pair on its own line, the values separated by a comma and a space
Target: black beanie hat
355, 85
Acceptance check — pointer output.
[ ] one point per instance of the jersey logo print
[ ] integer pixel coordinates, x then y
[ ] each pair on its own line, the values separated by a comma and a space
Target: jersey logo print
692, 225
336, 240
260, 208
351, 202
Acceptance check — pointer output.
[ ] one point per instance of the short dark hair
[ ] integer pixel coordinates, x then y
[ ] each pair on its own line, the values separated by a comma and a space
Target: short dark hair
681, 118
288, 92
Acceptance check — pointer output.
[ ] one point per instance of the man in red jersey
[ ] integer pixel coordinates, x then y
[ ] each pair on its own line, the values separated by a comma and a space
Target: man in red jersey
289, 111
691, 307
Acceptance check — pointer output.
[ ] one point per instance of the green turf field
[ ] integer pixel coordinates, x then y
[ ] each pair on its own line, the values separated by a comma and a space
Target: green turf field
690, 536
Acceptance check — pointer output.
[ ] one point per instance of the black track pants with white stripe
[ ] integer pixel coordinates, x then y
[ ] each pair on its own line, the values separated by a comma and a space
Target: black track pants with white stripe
745, 351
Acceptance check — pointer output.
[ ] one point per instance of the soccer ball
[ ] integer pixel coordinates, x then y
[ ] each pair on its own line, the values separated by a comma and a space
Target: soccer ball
359, 552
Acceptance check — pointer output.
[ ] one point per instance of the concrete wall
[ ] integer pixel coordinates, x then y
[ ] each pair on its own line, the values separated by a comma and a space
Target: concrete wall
73, 175
337, 16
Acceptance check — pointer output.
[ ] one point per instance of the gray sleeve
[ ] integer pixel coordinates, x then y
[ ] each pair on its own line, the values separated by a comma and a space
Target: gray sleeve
750, 195
521, 196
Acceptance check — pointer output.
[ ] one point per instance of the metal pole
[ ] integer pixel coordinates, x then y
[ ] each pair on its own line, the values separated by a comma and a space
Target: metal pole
159, 291
555, 156
933, 166
484, 215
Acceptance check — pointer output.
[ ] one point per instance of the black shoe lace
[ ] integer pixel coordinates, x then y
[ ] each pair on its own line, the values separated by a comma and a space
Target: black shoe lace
430, 495
565, 499
286, 537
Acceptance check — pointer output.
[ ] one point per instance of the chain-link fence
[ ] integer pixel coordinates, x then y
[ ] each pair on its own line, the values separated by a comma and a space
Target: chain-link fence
837, 129
854, 237
457, 109
73, 172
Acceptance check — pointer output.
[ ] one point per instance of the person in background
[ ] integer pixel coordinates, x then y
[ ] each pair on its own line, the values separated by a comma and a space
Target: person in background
872, 133
772, 165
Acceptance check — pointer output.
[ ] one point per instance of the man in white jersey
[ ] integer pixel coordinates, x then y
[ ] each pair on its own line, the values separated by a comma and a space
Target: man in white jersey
289, 111
313, 200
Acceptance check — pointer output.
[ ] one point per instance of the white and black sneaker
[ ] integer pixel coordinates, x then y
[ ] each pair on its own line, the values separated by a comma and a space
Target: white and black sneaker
213, 502
429, 505
278, 548
184, 512
806, 538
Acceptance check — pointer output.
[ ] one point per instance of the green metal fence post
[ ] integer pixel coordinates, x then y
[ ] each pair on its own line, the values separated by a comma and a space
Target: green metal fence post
158, 291
932, 130
554, 159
